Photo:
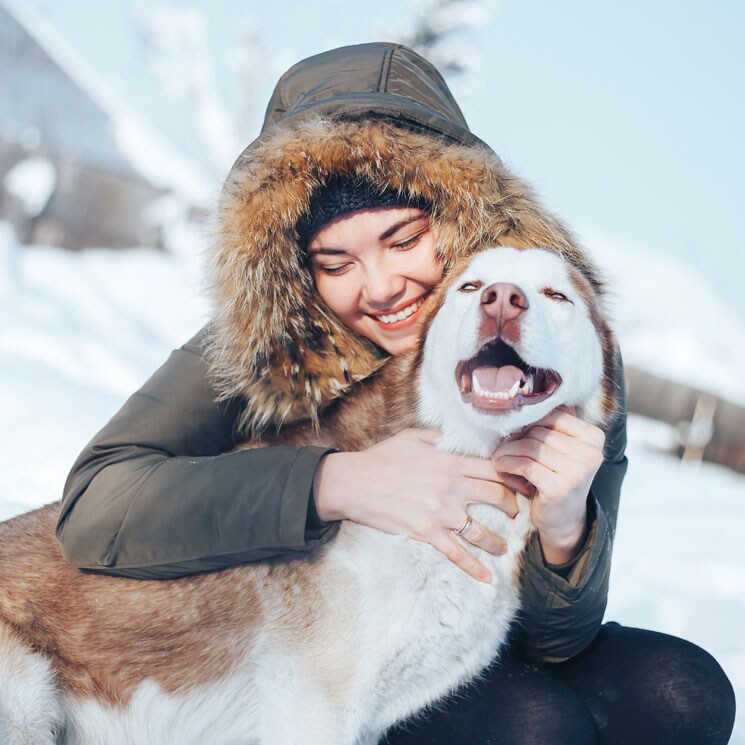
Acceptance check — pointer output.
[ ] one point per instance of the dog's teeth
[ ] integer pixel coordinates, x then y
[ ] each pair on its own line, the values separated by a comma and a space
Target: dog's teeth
464, 382
528, 387
475, 385
501, 395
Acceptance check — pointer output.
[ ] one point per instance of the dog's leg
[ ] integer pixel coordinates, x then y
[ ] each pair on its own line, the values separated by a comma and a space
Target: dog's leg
30, 711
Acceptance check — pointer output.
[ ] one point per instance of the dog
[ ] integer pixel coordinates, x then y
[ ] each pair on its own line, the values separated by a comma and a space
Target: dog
337, 647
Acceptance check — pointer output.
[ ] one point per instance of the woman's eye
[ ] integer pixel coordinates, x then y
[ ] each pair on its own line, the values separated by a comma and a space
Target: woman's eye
333, 270
409, 242
555, 295
470, 286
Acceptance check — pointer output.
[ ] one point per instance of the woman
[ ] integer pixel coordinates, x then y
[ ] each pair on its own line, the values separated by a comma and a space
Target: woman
363, 186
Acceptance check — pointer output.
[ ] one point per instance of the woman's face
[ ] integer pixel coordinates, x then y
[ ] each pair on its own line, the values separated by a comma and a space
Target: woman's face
375, 269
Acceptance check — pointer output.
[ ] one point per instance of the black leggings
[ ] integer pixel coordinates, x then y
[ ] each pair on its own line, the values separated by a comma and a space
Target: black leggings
629, 687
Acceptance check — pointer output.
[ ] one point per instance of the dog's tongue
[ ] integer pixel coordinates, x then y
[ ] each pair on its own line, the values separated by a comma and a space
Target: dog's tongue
497, 379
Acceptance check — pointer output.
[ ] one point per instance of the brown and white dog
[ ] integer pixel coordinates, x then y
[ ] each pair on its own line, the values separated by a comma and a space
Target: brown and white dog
337, 647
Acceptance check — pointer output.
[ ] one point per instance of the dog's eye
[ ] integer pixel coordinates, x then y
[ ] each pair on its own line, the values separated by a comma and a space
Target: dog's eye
470, 286
555, 294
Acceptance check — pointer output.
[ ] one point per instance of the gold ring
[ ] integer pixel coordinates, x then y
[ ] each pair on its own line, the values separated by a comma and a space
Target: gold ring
464, 528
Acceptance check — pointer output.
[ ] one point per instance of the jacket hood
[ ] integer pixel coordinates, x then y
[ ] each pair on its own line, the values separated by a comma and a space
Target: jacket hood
381, 113
387, 80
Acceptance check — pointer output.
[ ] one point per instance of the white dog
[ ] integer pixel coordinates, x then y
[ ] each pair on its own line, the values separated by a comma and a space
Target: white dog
335, 648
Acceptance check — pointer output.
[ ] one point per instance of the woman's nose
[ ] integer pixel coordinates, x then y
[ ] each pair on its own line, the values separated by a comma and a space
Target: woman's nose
381, 286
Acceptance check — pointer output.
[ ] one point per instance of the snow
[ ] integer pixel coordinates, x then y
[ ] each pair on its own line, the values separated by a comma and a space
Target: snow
9, 253
32, 181
78, 334
684, 332
678, 565
87, 329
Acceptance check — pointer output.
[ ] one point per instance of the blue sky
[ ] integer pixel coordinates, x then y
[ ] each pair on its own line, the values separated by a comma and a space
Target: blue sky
627, 117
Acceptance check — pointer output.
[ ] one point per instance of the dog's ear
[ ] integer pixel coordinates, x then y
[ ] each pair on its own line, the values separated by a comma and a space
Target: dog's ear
601, 410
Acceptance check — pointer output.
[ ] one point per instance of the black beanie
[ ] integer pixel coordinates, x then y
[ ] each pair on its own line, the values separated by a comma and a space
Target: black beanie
342, 196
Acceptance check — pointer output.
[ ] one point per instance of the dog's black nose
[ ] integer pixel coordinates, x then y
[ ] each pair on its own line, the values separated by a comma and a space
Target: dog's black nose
503, 301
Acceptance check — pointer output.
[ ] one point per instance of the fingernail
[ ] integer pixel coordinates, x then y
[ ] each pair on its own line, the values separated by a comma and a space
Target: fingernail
503, 550
485, 575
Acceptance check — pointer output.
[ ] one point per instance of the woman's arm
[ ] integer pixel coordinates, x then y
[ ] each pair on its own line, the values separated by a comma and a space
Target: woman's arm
159, 494
156, 495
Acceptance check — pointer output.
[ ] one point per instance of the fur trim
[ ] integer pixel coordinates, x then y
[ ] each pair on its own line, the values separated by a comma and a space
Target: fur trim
272, 341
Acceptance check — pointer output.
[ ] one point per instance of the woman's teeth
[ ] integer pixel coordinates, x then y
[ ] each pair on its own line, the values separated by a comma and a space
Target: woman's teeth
402, 314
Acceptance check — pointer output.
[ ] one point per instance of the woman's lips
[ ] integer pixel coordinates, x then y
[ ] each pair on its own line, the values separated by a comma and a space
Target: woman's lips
406, 322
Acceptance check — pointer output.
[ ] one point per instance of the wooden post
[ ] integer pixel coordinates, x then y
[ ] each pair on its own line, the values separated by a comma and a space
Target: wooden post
712, 428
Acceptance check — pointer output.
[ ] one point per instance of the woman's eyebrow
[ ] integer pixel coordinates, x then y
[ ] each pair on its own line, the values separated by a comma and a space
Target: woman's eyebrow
326, 251
398, 225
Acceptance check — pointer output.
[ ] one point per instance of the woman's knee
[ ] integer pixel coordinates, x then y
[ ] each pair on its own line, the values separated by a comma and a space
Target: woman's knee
522, 707
646, 687
696, 695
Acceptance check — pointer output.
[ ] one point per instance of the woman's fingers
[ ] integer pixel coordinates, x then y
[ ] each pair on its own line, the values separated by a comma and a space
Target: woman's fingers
542, 477
563, 421
517, 484
484, 484
560, 443
490, 492
406, 486
544, 450
477, 535
449, 546
531, 450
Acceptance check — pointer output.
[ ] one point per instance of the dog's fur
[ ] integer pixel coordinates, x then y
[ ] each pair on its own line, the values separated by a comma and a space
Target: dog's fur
334, 648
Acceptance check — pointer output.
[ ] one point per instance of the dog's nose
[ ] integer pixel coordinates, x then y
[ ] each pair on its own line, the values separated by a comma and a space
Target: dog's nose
503, 301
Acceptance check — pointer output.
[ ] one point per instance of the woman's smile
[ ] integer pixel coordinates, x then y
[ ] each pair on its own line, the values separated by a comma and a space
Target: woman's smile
403, 316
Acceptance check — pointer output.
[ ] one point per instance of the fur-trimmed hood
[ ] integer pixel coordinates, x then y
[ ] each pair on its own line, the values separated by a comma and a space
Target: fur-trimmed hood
382, 113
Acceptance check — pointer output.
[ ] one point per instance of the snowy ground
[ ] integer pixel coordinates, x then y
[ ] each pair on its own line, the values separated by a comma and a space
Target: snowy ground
78, 333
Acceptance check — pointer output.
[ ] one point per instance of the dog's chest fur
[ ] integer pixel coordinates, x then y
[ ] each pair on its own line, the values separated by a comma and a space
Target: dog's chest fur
423, 619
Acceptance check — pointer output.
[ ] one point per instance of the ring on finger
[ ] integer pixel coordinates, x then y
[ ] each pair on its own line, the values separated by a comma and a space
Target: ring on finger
463, 528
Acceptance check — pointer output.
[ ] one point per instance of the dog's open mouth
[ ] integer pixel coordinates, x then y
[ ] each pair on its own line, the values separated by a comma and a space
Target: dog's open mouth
498, 379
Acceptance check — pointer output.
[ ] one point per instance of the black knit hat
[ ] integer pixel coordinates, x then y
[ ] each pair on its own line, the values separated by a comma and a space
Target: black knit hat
341, 196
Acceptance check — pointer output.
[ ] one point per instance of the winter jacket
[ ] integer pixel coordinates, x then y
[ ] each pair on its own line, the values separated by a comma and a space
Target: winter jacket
158, 494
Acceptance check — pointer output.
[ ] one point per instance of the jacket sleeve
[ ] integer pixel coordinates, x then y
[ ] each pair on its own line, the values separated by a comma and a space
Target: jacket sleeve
562, 607
156, 494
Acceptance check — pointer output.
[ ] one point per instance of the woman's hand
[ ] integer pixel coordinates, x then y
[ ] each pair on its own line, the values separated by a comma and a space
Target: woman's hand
555, 461
404, 485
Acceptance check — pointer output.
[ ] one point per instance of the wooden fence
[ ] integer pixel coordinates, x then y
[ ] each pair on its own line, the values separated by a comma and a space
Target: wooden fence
710, 428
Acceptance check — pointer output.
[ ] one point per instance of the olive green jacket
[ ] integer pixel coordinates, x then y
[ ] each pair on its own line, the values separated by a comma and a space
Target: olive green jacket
157, 493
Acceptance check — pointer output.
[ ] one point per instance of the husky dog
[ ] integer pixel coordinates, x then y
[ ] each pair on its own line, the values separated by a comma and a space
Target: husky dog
337, 647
